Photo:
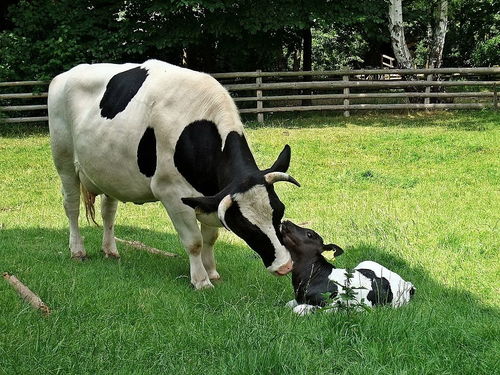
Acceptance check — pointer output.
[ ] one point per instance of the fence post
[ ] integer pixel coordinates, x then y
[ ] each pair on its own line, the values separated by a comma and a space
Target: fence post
495, 97
427, 99
260, 104
345, 78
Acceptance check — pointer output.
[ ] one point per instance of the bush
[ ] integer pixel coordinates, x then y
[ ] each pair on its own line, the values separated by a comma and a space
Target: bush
487, 53
333, 49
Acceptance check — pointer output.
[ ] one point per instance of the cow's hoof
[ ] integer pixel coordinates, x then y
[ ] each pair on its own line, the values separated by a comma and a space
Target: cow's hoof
79, 256
203, 284
214, 276
111, 255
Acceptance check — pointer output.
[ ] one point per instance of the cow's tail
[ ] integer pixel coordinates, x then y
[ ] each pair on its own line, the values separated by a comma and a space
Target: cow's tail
88, 199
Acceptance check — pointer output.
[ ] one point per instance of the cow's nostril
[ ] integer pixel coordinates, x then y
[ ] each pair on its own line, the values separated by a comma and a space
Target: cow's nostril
284, 269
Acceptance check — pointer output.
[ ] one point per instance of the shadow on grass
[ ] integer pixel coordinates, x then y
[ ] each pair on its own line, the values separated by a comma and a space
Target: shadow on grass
442, 330
37, 250
41, 250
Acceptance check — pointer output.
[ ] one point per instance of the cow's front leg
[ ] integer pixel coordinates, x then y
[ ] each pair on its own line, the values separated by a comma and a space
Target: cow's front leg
186, 225
108, 213
209, 235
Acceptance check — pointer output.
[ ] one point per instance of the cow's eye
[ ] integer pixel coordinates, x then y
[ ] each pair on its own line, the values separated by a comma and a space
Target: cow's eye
309, 235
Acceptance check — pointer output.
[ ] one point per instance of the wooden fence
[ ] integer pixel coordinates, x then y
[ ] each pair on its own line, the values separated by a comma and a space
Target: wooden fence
343, 90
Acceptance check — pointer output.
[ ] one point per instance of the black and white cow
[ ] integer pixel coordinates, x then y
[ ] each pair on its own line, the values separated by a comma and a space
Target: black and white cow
313, 276
158, 132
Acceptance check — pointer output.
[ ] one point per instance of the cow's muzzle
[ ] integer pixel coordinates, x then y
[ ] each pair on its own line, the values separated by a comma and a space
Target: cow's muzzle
284, 269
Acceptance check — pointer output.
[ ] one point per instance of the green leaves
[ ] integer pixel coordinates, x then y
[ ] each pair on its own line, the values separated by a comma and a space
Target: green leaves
208, 35
41, 38
346, 299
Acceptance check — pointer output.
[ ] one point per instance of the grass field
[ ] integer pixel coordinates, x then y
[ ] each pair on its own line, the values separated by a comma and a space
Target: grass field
418, 193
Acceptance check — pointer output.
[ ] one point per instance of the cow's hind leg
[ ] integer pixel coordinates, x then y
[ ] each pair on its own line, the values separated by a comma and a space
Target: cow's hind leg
71, 196
209, 235
108, 213
62, 153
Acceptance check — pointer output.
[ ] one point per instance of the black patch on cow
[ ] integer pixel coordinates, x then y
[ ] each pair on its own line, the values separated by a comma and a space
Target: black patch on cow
381, 293
146, 153
198, 154
120, 90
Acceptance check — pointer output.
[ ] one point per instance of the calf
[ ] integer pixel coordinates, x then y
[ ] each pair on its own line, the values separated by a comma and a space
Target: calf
313, 276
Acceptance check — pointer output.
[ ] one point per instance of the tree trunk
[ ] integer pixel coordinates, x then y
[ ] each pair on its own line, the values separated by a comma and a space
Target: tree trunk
296, 59
436, 42
307, 52
307, 60
398, 41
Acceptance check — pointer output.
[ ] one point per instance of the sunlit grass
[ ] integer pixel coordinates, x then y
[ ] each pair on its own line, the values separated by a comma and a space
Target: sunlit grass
419, 193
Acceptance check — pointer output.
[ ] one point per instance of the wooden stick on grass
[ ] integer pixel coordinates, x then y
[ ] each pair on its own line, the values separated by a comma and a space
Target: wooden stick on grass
141, 246
26, 293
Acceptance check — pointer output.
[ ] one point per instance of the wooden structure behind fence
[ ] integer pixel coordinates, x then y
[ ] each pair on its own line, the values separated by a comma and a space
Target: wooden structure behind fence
342, 90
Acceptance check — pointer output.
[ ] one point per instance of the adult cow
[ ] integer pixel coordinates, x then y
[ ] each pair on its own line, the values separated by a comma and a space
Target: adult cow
158, 132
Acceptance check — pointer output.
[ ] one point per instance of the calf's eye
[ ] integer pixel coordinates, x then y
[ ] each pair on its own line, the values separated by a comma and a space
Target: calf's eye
309, 235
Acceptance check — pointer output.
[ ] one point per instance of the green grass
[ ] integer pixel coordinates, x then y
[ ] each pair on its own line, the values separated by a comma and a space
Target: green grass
418, 193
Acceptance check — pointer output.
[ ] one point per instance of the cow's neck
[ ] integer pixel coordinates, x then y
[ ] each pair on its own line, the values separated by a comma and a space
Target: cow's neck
237, 161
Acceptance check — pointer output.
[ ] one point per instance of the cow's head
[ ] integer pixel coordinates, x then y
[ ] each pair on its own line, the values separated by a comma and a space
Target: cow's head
252, 210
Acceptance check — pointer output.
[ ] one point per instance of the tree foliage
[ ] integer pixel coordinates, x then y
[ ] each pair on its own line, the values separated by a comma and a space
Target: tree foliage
40, 38
473, 32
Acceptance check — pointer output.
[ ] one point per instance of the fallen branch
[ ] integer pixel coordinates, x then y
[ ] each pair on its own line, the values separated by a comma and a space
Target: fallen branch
141, 246
26, 294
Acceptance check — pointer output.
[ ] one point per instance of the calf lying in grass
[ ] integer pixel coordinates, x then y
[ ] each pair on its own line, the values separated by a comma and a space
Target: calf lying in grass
369, 283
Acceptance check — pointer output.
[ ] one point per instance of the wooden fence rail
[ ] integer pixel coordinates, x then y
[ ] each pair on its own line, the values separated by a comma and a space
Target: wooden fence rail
340, 90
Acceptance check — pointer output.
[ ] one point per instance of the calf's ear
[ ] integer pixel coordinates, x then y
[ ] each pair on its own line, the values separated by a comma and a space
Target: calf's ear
203, 204
337, 250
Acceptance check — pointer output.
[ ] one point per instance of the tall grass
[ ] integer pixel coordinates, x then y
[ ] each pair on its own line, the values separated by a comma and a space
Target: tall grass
418, 193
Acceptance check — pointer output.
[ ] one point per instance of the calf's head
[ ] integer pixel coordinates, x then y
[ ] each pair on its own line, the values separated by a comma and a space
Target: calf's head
251, 209
305, 244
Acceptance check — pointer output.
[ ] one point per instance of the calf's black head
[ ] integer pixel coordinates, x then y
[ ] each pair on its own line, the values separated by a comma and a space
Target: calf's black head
305, 244
310, 269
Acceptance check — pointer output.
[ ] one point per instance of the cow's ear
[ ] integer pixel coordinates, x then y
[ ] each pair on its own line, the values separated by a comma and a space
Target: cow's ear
337, 250
203, 204
283, 162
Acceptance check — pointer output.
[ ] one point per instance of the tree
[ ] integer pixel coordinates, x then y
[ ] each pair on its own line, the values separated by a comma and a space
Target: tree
397, 31
437, 27
50, 36
473, 27
437, 34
